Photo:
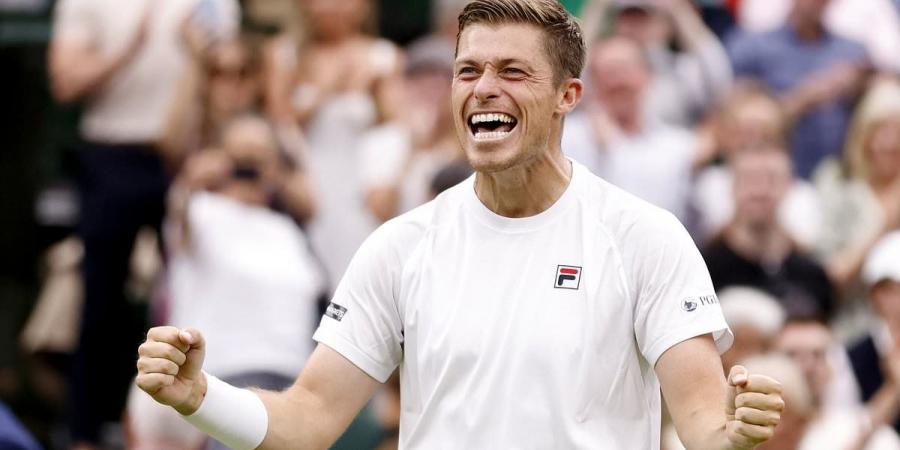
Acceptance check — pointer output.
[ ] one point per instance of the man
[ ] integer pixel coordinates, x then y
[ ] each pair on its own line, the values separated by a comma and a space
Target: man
617, 139
754, 249
816, 75
123, 60
527, 307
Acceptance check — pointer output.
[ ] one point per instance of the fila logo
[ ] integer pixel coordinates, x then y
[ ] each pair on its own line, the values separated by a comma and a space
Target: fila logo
567, 277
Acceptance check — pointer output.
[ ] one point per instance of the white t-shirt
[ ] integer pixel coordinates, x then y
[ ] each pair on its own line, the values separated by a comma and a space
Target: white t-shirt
539, 332
132, 106
654, 165
248, 280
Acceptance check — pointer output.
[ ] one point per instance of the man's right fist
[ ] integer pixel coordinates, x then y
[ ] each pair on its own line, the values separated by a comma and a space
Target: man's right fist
169, 366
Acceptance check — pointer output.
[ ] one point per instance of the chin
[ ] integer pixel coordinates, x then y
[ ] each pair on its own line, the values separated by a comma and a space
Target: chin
491, 160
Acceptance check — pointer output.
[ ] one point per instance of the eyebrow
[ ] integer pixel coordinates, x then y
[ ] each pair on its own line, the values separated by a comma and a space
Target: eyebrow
502, 63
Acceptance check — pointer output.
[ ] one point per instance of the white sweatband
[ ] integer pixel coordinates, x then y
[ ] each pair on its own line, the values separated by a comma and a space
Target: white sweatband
233, 416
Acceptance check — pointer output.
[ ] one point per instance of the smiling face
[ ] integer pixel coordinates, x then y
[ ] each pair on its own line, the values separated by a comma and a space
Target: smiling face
507, 105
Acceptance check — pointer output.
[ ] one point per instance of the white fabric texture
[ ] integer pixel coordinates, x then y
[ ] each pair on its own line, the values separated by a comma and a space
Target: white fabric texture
493, 351
249, 283
233, 416
132, 106
654, 165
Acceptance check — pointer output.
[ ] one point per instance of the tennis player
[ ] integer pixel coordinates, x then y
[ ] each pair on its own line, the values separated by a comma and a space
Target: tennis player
533, 306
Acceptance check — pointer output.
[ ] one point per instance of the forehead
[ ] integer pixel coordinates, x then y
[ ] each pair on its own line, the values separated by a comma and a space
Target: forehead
484, 43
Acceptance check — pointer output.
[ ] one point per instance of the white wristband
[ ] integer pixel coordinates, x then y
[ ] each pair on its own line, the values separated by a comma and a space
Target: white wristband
233, 416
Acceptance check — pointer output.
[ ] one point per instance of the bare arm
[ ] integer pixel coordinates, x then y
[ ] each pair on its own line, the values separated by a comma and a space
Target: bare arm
311, 414
314, 412
78, 69
713, 414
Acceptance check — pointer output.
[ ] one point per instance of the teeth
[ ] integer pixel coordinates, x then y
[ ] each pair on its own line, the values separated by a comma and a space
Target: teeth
492, 117
488, 135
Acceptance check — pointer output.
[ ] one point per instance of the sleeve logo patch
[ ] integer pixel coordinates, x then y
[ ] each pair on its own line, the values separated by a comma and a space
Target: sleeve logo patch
567, 277
692, 303
335, 311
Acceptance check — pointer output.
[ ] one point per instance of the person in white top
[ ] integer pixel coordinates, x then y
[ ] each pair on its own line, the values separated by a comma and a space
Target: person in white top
532, 306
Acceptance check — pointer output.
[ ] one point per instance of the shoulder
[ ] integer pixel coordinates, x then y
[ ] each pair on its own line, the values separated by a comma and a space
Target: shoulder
633, 223
405, 232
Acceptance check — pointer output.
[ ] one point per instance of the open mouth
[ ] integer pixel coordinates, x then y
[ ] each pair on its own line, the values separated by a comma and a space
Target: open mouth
489, 126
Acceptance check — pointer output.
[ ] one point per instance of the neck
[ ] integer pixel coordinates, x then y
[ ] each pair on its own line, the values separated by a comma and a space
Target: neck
764, 243
526, 189
807, 30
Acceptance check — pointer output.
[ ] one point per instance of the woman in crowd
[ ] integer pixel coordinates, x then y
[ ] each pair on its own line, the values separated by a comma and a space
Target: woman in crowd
335, 83
861, 194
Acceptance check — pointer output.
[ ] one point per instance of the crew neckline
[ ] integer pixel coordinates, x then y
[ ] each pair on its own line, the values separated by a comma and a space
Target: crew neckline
523, 224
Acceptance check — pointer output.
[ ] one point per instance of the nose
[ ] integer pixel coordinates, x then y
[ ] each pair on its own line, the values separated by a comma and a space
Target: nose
487, 87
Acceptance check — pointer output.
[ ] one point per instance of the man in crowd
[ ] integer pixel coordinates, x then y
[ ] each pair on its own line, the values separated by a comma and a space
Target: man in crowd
458, 294
754, 250
816, 74
618, 140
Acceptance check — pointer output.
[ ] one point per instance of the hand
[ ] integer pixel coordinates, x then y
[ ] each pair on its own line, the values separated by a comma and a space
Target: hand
753, 408
207, 169
169, 368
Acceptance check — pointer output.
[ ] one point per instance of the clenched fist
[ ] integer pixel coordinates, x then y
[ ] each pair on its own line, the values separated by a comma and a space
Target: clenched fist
753, 408
169, 366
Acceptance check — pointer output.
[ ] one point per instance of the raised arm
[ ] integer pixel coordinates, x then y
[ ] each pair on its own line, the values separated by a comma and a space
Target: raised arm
77, 68
712, 413
311, 414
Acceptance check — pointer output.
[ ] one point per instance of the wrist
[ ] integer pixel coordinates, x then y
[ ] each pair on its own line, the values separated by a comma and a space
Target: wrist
195, 398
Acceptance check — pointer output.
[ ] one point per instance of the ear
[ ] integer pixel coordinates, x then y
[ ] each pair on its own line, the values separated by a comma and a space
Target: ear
572, 90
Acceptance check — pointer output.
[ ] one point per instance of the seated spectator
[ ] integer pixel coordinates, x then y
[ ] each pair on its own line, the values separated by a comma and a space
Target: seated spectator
876, 358
398, 160
691, 70
614, 137
861, 194
336, 84
754, 250
815, 74
749, 120
239, 270
755, 319
839, 423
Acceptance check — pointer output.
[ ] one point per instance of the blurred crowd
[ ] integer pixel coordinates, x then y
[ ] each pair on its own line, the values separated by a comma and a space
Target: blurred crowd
226, 172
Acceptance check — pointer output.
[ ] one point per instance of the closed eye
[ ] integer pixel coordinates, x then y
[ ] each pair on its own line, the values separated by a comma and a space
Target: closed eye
466, 72
512, 72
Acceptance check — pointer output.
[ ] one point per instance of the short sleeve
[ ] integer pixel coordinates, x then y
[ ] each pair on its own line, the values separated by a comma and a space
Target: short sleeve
674, 296
73, 20
362, 322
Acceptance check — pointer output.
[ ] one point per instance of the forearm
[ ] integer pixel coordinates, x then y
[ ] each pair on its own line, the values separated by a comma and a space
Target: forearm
298, 420
703, 430
76, 76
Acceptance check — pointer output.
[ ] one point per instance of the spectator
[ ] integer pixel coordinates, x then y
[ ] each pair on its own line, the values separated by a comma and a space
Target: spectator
123, 60
876, 358
861, 197
837, 424
754, 250
814, 73
687, 81
223, 81
399, 159
749, 120
755, 319
876, 23
337, 85
614, 138
240, 270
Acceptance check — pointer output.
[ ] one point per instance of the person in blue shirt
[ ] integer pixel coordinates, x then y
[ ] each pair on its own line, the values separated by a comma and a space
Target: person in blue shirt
13, 436
817, 76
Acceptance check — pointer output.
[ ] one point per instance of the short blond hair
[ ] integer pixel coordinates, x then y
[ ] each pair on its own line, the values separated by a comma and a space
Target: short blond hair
564, 44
